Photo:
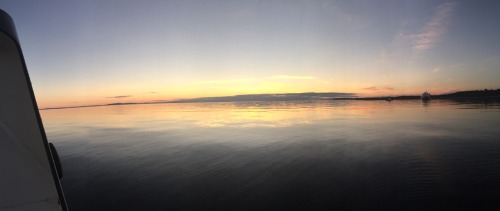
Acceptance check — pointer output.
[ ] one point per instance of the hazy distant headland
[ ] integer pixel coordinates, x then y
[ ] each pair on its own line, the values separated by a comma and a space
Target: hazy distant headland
271, 97
486, 94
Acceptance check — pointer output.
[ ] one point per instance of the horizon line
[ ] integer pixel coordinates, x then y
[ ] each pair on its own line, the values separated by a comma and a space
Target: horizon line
207, 99
277, 97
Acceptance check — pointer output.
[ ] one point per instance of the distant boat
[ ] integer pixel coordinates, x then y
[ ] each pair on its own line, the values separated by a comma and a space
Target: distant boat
426, 96
389, 99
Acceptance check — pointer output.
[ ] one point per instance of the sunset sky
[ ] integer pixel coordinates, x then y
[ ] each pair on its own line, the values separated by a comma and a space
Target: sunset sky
95, 51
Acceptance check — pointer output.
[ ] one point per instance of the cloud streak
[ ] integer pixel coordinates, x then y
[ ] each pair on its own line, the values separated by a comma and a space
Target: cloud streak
374, 88
434, 29
120, 96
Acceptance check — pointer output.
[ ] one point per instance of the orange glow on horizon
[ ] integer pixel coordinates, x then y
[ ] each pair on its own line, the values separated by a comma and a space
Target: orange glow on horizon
140, 93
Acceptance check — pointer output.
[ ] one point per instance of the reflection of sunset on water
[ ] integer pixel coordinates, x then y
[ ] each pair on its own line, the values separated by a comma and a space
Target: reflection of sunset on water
158, 117
252, 114
401, 151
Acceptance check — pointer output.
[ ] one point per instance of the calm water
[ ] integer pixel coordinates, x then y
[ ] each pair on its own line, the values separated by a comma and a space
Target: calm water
351, 155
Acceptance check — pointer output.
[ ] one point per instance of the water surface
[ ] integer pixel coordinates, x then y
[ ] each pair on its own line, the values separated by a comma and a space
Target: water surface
307, 155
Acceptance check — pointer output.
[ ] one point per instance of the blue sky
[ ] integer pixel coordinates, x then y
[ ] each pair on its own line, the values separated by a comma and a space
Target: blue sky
86, 52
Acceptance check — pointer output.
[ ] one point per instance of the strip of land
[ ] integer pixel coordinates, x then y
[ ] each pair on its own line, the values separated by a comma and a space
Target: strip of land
486, 94
474, 95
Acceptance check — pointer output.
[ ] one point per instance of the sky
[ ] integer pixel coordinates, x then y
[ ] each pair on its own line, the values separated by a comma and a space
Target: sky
111, 51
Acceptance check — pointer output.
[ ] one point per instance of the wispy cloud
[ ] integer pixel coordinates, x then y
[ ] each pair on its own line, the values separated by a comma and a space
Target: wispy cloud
442, 68
371, 88
374, 88
434, 29
120, 96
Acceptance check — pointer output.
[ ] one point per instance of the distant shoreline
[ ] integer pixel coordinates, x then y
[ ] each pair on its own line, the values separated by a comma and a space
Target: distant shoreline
437, 97
475, 95
487, 94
